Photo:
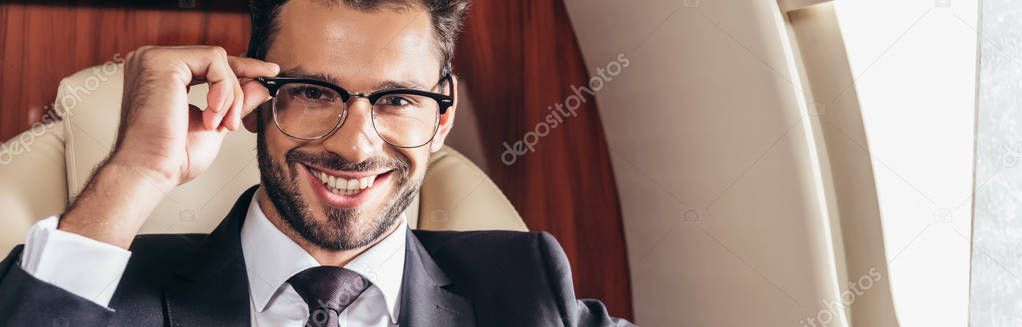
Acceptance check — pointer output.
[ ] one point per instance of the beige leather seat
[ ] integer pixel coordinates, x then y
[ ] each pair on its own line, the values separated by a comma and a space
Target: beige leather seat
43, 168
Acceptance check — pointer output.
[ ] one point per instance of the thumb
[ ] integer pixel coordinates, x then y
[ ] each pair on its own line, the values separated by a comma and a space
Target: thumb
255, 95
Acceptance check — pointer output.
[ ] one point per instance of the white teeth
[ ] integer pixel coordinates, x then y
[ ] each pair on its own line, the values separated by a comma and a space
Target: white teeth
340, 185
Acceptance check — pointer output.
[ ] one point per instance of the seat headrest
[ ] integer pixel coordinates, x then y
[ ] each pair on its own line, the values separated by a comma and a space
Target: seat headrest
456, 195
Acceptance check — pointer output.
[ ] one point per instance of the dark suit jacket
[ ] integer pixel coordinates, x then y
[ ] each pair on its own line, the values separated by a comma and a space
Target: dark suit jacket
492, 278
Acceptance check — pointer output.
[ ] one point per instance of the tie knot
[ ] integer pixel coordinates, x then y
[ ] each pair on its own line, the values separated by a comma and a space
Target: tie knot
328, 288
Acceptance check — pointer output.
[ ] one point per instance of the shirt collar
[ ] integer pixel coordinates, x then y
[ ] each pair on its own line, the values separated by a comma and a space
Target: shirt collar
383, 265
271, 258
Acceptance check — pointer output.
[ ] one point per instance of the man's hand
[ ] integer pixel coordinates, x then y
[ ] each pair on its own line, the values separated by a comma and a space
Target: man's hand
158, 132
162, 141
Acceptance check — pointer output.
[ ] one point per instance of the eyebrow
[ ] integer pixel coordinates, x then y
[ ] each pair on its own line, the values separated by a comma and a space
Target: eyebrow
326, 77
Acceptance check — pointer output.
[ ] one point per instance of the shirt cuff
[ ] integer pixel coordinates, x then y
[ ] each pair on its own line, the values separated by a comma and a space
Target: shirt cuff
78, 264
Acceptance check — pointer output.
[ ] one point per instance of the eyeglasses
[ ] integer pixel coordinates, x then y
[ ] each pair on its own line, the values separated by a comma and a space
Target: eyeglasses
310, 109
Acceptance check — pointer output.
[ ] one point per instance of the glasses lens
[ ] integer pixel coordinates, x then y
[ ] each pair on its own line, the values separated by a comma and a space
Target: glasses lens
307, 110
406, 120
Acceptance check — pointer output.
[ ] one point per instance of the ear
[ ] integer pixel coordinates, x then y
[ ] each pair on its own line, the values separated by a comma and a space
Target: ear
446, 120
251, 121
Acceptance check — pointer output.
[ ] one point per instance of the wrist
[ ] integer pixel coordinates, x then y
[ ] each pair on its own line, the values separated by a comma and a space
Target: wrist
143, 170
115, 203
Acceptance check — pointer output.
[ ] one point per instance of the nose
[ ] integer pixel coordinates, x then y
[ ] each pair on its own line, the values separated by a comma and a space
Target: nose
356, 139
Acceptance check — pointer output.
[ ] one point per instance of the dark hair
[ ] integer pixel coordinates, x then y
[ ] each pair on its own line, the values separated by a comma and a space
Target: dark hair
446, 16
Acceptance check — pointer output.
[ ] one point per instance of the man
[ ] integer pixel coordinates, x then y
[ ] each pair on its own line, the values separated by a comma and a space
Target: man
361, 93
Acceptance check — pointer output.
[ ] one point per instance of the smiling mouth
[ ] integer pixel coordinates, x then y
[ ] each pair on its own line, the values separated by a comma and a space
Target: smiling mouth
344, 186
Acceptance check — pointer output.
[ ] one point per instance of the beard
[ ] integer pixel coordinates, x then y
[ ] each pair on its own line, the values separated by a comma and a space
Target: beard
344, 228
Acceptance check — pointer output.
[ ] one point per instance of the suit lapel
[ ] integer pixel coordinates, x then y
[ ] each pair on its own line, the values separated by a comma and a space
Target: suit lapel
425, 301
211, 289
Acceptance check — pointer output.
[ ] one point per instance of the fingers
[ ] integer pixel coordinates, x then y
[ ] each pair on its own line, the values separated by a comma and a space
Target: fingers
210, 64
232, 114
250, 93
234, 117
226, 101
252, 68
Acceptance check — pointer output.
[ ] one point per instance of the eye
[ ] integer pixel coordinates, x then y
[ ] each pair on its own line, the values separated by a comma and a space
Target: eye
312, 93
395, 101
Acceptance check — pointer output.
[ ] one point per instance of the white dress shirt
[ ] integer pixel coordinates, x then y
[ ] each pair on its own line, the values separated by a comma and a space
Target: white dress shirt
271, 258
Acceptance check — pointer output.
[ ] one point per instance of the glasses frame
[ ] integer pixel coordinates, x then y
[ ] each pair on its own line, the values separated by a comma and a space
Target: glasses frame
273, 84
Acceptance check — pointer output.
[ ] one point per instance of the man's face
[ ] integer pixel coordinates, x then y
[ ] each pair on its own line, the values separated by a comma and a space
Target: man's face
361, 51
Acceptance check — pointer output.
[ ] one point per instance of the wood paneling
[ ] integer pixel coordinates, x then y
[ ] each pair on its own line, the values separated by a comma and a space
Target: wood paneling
41, 44
519, 57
